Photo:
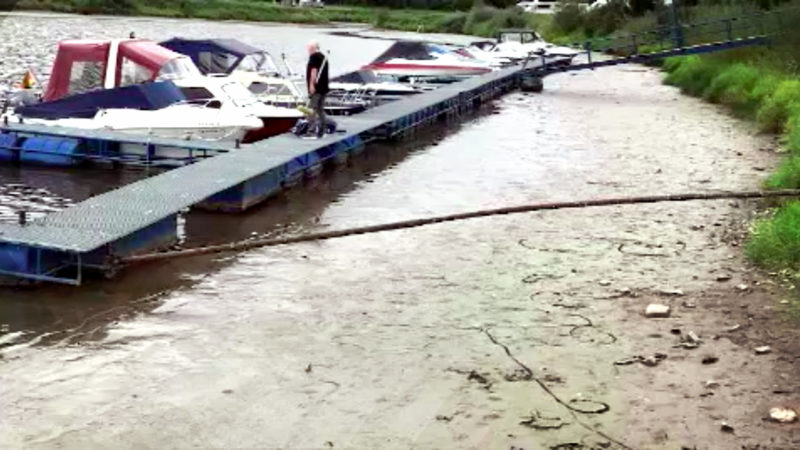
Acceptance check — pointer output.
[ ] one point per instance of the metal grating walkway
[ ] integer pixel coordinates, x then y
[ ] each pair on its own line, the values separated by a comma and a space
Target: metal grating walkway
109, 217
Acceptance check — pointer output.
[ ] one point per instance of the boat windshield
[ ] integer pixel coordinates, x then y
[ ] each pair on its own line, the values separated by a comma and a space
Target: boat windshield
178, 69
521, 37
239, 94
441, 51
260, 63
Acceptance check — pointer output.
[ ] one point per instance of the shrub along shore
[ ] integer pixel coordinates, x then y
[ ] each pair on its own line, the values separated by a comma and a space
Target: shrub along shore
760, 85
480, 20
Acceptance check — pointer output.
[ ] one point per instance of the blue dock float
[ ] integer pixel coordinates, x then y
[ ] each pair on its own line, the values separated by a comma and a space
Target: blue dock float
142, 217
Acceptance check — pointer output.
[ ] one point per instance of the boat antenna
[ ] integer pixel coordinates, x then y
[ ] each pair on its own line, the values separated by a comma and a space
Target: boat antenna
286, 64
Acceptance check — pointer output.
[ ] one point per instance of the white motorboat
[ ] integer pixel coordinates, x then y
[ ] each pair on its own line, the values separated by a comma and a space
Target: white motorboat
414, 59
179, 121
529, 42
253, 68
364, 83
129, 86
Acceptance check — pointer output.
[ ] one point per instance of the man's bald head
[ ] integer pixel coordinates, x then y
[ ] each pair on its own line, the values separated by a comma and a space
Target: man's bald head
313, 47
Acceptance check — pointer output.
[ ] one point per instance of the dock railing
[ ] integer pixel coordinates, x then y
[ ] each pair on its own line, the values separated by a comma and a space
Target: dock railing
668, 37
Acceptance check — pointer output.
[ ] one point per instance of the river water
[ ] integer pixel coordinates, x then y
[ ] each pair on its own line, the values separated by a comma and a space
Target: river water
394, 340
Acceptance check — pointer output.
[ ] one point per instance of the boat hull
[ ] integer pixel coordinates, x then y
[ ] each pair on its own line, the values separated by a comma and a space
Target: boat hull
273, 126
419, 70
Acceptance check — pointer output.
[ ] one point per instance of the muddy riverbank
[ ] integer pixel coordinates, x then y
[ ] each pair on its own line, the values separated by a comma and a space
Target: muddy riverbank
492, 333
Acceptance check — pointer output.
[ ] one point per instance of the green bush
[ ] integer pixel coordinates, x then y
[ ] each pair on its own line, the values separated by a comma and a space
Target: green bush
793, 133
381, 18
105, 6
485, 20
463, 5
775, 241
764, 87
693, 75
569, 16
777, 108
606, 19
787, 176
454, 23
508, 18
672, 64
733, 86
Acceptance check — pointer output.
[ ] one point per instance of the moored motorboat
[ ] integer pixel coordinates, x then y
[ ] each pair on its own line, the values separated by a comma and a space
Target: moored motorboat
365, 84
415, 59
130, 86
254, 69
528, 42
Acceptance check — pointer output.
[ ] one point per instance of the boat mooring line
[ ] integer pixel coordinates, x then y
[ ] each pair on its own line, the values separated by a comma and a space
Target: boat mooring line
414, 223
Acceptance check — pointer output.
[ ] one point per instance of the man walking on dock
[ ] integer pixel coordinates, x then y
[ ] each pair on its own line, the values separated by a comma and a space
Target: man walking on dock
317, 80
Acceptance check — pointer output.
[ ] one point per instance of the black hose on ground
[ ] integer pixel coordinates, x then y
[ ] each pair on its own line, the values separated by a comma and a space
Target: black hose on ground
614, 201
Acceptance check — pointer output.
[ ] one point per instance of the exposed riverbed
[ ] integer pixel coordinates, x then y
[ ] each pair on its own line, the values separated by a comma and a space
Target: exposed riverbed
444, 336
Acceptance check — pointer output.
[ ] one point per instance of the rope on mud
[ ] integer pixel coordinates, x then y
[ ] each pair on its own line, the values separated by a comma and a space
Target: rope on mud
599, 408
414, 223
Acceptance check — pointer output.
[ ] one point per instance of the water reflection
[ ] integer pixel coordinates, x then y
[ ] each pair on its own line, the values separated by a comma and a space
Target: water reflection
41, 190
63, 315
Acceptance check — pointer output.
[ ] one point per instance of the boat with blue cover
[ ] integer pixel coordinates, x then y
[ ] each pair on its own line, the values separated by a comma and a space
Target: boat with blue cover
140, 87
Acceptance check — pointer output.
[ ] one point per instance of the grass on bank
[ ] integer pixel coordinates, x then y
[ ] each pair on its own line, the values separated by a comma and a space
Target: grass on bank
760, 84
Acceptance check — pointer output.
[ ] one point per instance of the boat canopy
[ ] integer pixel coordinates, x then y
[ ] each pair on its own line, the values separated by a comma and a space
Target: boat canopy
146, 96
415, 50
83, 66
358, 77
223, 56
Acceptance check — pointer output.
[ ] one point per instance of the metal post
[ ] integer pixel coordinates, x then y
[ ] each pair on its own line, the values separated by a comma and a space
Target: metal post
676, 24
151, 153
729, 29
588, 47
635, 46
23, 218
79, 278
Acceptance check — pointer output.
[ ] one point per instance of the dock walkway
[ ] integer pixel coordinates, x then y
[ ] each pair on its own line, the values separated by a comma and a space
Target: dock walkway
143, 215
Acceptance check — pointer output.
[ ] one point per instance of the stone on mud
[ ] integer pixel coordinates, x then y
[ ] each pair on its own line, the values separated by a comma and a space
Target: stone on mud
671, 292
655, 310
782, 415
763, 350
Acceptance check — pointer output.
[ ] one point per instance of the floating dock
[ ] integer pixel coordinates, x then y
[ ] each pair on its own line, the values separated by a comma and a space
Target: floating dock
143, 216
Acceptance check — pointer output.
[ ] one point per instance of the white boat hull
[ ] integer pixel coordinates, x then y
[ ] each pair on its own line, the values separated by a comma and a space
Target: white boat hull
413, 70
